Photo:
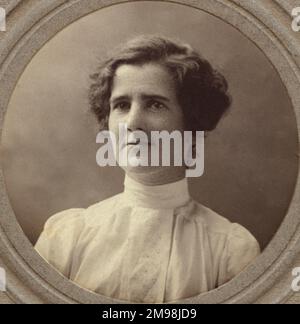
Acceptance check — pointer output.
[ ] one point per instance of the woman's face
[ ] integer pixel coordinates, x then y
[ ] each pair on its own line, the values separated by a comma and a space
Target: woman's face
144, 98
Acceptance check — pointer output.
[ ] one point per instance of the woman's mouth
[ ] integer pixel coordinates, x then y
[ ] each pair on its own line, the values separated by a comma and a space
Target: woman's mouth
138, 142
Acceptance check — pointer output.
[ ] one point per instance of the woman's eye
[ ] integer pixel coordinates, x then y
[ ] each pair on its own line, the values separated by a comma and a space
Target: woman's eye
156, 105
122, 105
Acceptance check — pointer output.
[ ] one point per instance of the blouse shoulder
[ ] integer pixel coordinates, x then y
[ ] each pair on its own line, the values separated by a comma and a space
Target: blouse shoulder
70, 217
96, 215
242, 249
233, 246
214, 223
60, 234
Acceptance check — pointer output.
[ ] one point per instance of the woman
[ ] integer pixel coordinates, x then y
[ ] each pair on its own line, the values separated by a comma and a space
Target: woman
152, 243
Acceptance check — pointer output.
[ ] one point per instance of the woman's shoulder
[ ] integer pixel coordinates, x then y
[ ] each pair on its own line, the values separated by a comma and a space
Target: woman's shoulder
213, 221
216, 225
62, 233
59, 237
62, 227
233, 246
70, 217
73, 218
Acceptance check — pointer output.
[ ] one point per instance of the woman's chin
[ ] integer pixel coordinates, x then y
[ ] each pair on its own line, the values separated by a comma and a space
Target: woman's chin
140, 169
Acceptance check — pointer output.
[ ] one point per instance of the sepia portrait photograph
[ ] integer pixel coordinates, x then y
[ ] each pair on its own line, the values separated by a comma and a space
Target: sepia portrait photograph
149, 152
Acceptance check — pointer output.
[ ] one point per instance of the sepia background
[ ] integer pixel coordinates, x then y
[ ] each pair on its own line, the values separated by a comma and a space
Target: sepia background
48, 150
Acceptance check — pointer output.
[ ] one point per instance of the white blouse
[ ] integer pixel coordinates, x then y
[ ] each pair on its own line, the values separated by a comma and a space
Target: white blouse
149, 244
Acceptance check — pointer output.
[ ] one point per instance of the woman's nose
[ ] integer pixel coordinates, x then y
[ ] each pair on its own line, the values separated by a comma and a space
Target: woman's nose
135, 119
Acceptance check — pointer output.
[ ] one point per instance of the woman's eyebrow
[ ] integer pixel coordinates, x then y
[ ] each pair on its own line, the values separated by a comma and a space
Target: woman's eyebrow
155, 97
118, 98
144, 97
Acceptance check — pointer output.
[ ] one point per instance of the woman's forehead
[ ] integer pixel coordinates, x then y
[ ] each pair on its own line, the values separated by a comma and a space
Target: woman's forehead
149, 78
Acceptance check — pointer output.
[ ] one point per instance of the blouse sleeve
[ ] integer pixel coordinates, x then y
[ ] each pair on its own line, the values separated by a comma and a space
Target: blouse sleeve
59, 237
242, 249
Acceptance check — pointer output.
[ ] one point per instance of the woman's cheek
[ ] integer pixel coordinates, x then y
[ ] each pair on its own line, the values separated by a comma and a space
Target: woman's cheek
113, 121
168, 123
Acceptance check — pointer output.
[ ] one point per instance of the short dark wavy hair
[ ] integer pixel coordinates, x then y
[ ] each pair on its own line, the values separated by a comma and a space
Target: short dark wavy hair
202, 91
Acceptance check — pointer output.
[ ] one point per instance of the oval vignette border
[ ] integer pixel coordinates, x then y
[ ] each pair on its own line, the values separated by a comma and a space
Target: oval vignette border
30, 24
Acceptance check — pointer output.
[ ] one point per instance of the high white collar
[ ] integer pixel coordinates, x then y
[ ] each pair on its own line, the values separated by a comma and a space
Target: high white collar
167, 196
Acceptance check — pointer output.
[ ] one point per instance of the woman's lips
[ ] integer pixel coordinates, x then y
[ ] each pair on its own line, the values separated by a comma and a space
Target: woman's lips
139, 143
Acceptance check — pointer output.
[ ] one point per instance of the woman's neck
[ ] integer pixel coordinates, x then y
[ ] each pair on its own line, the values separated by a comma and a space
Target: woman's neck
158, 176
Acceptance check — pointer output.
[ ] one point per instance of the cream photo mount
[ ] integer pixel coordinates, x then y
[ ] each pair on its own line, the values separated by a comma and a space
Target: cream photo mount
29, 25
